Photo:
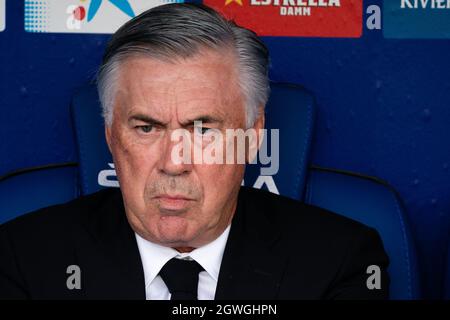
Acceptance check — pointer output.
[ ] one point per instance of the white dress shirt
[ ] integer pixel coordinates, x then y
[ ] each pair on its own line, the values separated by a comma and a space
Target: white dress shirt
154, 257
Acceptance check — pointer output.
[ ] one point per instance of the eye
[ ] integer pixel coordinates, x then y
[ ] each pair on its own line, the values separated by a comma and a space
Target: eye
145, 129
201, 130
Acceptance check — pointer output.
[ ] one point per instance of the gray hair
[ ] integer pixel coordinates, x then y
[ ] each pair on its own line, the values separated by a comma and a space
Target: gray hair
181, 30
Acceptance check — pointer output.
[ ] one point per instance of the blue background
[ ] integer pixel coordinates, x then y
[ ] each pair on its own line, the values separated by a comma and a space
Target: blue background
384, 110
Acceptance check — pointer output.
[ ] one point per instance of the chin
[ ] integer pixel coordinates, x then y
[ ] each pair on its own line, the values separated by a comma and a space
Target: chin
175, 231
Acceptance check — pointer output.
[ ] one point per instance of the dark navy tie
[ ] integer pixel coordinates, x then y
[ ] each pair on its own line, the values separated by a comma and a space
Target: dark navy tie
181, 278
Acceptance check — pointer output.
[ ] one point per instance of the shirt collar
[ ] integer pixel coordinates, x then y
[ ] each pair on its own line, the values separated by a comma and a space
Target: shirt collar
155, 256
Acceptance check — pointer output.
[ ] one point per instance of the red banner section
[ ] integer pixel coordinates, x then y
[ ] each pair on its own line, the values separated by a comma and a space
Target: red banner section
295, 18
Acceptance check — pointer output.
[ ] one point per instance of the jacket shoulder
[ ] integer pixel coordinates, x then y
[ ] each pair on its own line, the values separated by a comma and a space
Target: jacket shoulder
291, 214
37, 248
332, 250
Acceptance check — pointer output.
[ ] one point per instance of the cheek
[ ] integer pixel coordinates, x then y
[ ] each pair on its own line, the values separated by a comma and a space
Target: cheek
218, 182
133, 165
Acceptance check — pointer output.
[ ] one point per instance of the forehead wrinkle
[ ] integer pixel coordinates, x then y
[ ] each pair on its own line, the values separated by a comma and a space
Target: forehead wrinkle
209, 99
173, 87
144, 102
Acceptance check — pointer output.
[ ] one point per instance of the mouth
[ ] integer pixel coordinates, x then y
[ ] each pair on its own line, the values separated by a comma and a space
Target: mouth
173, 202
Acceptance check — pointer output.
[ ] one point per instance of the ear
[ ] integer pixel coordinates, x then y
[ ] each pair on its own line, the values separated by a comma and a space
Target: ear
108, 136
258, 126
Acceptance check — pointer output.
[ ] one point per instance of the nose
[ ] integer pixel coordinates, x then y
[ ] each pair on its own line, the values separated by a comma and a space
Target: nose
171, 161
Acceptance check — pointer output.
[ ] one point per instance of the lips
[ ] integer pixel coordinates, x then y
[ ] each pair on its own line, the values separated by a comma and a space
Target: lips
173, 202
172, 197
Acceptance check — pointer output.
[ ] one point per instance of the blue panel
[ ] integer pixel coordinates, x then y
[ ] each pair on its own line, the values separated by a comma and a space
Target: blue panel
39, 73
420, 19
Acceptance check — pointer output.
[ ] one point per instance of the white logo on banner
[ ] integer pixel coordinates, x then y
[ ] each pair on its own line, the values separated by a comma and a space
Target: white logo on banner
108, 178
2, 15
83, 16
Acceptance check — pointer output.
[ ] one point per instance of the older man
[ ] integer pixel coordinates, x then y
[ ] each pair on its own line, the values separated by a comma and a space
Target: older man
182, 229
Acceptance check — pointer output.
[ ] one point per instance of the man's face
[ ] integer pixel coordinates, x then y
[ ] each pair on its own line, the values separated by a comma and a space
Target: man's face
175, 204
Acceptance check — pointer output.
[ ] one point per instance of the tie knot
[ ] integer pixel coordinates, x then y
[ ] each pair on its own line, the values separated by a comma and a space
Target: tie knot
181, 278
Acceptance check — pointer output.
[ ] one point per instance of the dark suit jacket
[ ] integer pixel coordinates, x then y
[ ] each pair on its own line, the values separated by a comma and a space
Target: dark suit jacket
277, 248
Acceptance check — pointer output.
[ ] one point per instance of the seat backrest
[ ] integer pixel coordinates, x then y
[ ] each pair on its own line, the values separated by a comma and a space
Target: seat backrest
374, 203
33, 188
286, 102
94, 158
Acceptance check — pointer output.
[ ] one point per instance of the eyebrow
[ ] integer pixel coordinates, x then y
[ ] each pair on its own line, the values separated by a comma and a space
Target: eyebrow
189, 122
203, 119
147, 119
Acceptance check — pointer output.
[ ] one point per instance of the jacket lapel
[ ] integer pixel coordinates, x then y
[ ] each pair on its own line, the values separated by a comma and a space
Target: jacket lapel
252, 265
110, 262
